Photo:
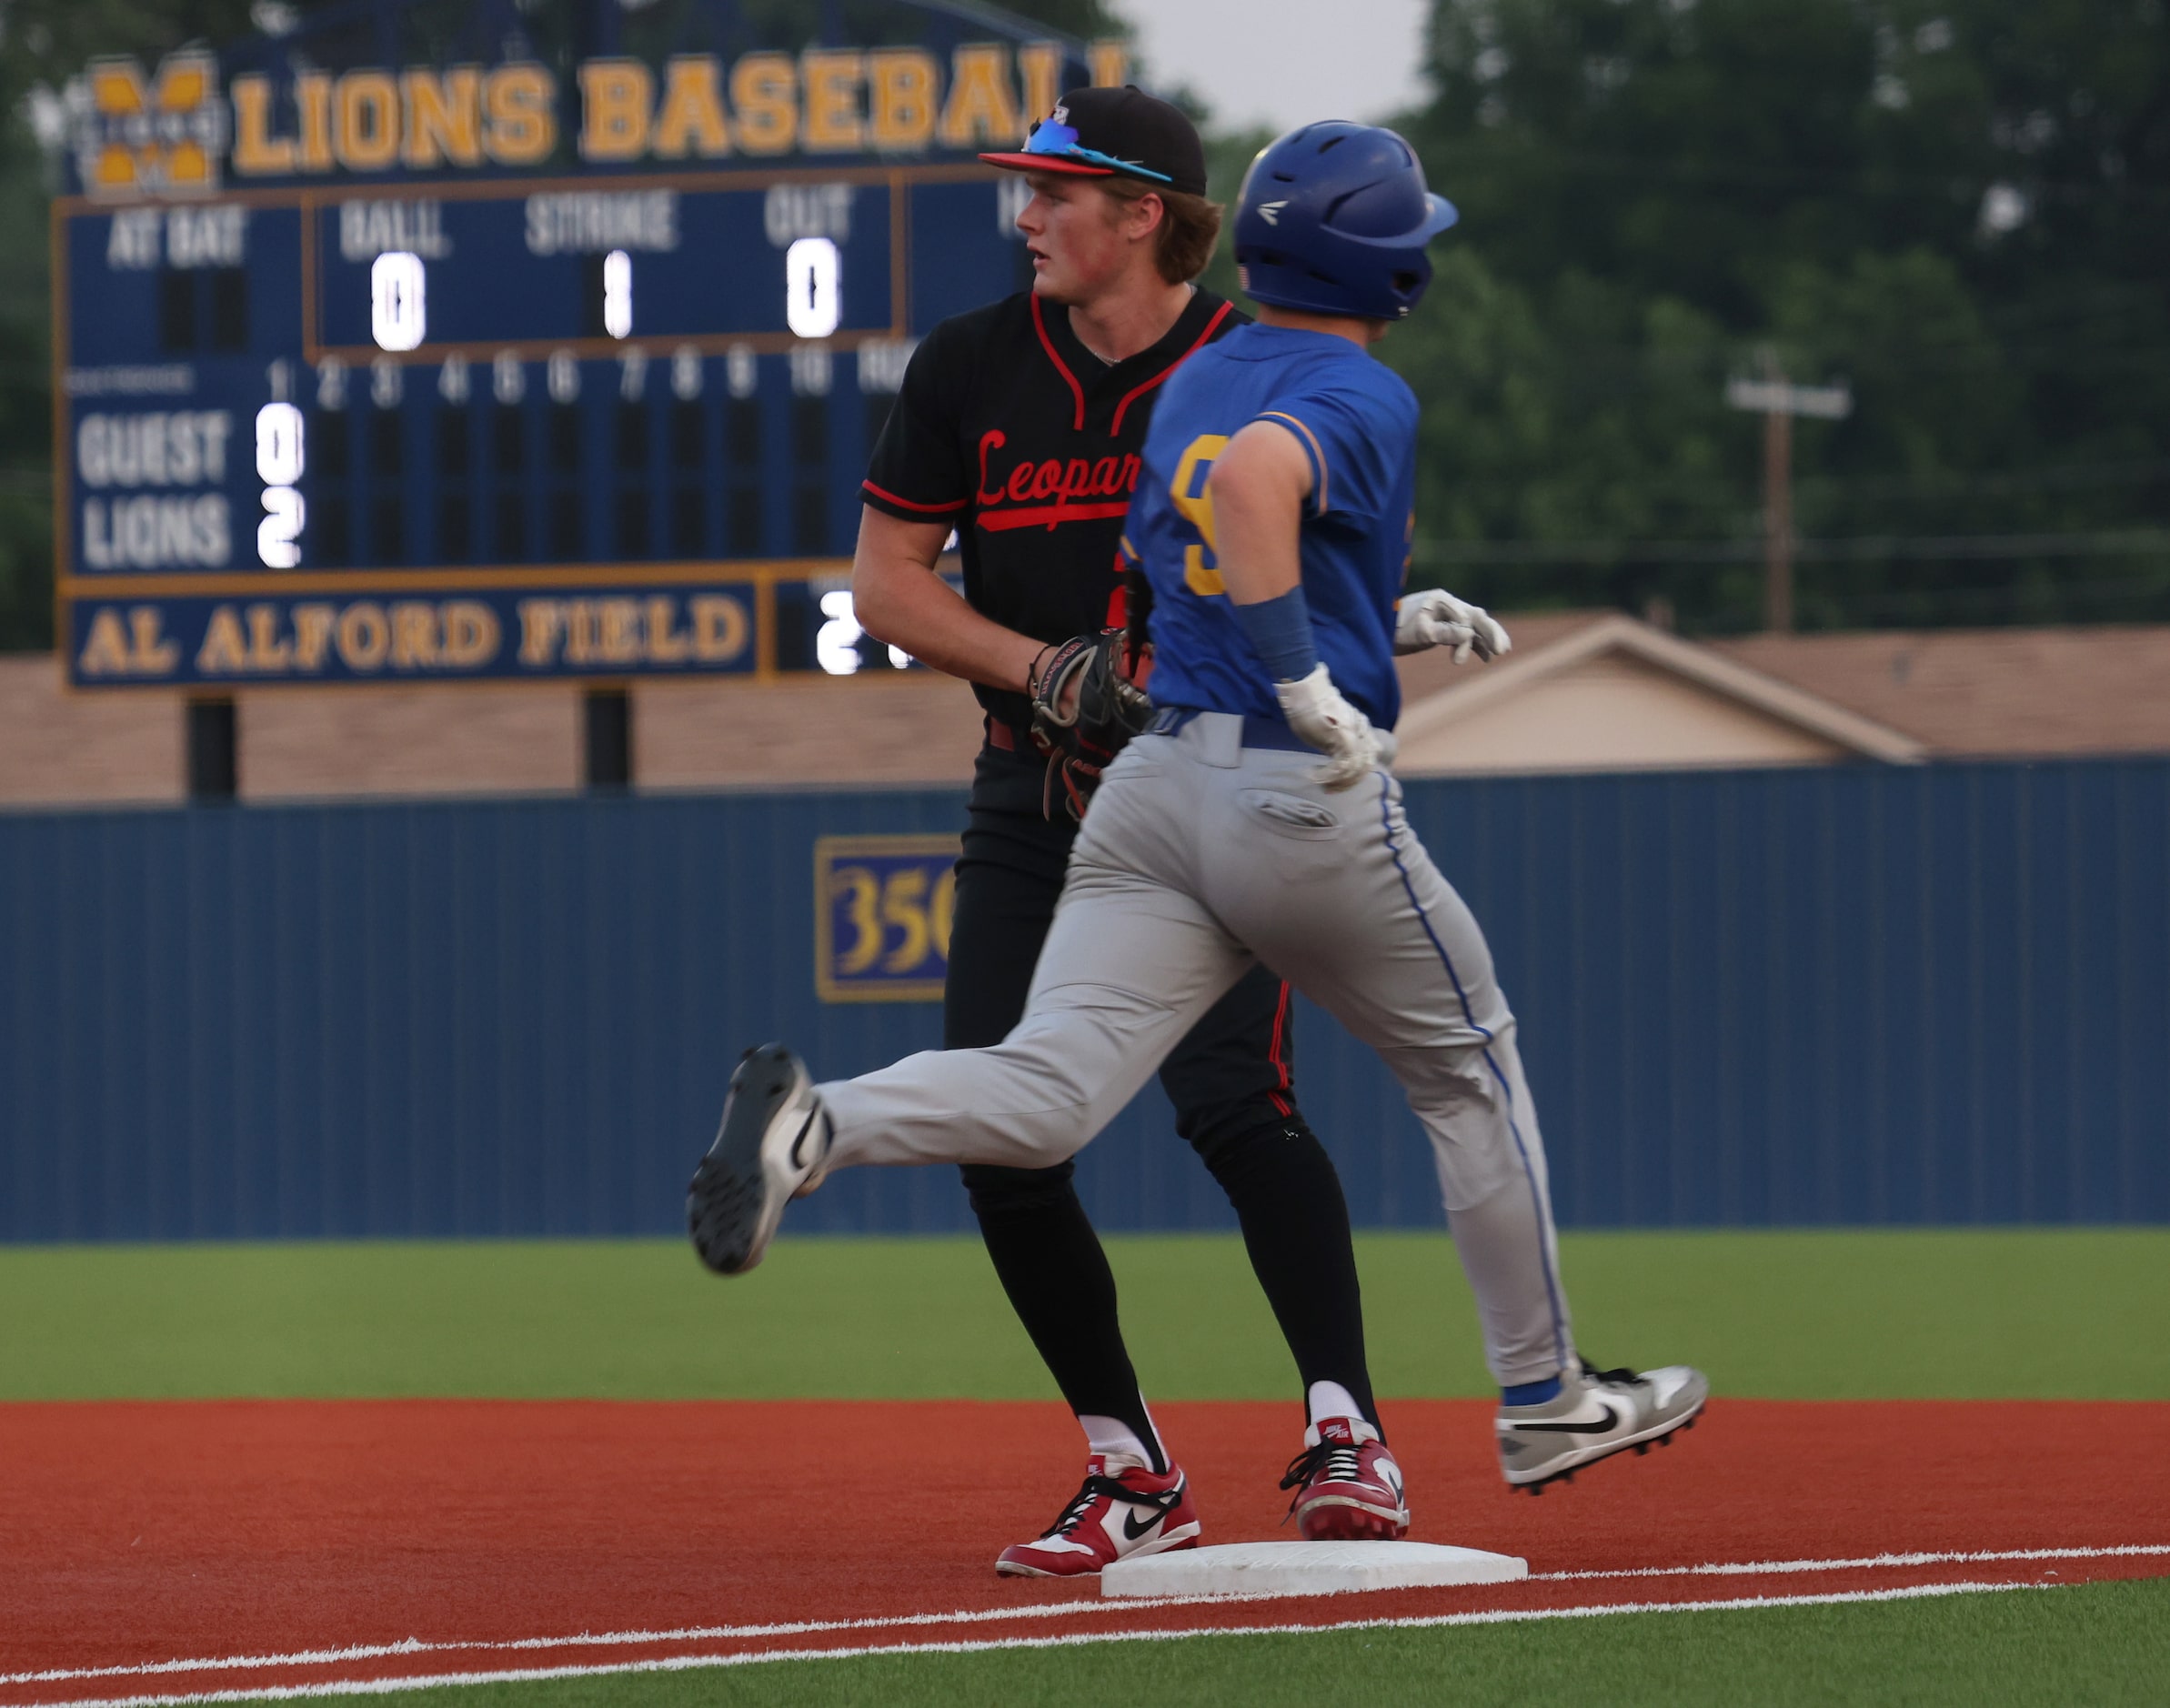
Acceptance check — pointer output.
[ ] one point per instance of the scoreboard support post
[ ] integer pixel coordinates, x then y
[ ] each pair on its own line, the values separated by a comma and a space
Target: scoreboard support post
214, 768
607, 720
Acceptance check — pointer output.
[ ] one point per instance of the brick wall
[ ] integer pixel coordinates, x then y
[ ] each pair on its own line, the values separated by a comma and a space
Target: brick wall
58, 747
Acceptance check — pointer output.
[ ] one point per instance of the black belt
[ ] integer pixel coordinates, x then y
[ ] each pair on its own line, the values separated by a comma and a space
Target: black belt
1258, 732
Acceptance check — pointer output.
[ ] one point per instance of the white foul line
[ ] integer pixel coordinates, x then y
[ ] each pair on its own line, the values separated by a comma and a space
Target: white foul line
606, 1639
1046, 1610
686, 1663
1762, 1568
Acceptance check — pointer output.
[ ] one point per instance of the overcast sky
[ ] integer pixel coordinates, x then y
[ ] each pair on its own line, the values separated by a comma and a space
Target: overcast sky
1283, 63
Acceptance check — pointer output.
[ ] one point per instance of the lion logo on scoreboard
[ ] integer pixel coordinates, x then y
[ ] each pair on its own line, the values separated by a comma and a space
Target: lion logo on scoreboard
161, 135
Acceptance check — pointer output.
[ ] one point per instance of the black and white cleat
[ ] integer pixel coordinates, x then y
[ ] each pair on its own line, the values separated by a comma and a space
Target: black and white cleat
1597, 1413
772, 1147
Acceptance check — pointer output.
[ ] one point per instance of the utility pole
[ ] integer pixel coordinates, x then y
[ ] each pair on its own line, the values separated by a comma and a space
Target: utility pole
1778, 402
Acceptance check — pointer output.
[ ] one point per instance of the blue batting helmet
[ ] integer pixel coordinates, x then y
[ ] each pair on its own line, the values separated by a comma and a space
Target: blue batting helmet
1333, 218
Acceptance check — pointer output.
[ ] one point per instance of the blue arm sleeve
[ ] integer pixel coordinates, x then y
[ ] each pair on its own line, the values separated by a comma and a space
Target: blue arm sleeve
1279, 632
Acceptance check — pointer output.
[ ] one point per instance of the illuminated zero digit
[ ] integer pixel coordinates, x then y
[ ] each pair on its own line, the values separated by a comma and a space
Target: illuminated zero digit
278, 445
398, 317
563, 376
813, 298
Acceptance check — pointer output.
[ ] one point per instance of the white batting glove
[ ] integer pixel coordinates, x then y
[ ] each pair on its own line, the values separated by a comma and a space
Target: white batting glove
1321, 717
1435, 618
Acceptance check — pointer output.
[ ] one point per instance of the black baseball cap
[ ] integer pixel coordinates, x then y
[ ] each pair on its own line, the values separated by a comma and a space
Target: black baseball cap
1114, 134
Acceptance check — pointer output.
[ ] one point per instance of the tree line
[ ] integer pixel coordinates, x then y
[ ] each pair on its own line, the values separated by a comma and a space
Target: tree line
1961, 208
1958, 209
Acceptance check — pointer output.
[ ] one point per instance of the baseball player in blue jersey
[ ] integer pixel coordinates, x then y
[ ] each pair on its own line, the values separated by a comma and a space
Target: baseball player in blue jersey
1272, 522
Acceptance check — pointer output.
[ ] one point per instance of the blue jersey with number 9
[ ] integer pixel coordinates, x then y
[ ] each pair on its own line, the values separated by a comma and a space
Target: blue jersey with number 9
1356, 421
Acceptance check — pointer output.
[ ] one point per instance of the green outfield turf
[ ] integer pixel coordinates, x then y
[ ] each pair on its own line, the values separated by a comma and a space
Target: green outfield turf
2100, 1643
2072, 1313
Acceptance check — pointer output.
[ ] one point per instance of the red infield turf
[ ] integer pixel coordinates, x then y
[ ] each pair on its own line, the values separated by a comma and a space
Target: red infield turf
161, 1550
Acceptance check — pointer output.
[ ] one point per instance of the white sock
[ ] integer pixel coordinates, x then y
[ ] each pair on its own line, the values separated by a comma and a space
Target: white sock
1330, 1399
1116, 1439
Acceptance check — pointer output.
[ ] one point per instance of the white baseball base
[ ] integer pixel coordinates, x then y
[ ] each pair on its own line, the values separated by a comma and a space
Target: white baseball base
1307, 1567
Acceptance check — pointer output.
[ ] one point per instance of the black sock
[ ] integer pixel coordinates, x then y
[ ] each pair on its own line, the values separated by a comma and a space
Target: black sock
1050, 1263
1295, 1223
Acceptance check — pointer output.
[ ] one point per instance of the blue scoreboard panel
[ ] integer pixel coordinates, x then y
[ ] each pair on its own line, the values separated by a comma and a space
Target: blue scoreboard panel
515, 370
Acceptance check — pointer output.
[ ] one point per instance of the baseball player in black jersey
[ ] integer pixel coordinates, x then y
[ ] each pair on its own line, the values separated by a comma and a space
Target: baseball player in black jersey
1019, 426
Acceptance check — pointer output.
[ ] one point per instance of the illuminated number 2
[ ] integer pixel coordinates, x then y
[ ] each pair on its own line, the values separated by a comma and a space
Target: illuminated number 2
836, 642
813, 303
279, 535
1194, 503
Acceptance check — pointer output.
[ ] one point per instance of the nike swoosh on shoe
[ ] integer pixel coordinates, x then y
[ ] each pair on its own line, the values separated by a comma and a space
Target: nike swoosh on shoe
1612, 1422
805, 1127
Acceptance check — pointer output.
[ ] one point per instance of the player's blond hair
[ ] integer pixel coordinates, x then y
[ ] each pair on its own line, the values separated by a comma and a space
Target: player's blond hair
1190, 226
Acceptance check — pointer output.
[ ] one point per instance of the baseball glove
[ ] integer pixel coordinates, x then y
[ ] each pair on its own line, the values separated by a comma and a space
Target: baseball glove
1085, 707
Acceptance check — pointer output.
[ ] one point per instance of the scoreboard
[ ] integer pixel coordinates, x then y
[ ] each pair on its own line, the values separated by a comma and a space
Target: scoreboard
543, 368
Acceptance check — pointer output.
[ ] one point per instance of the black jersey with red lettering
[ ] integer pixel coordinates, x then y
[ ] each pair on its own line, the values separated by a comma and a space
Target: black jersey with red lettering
1011, 431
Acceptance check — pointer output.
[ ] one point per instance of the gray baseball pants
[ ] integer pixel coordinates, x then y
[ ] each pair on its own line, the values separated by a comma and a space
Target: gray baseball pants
1200, 856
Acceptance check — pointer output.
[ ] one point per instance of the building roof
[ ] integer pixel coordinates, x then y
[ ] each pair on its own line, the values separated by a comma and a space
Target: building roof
1596, 690
1987, 692
1885, 694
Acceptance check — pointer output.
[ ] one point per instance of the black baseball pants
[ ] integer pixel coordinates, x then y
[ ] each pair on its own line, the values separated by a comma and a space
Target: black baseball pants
1231, 1083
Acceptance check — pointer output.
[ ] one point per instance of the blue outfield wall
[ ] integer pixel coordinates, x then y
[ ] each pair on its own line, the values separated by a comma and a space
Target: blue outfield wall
1835, 996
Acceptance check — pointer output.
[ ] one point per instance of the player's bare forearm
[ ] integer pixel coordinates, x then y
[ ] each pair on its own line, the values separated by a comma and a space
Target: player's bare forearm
900, 600
1257, 489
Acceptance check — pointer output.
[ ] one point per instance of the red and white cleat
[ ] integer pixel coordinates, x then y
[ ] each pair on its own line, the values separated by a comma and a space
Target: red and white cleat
1348, 1486
1123, 1508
